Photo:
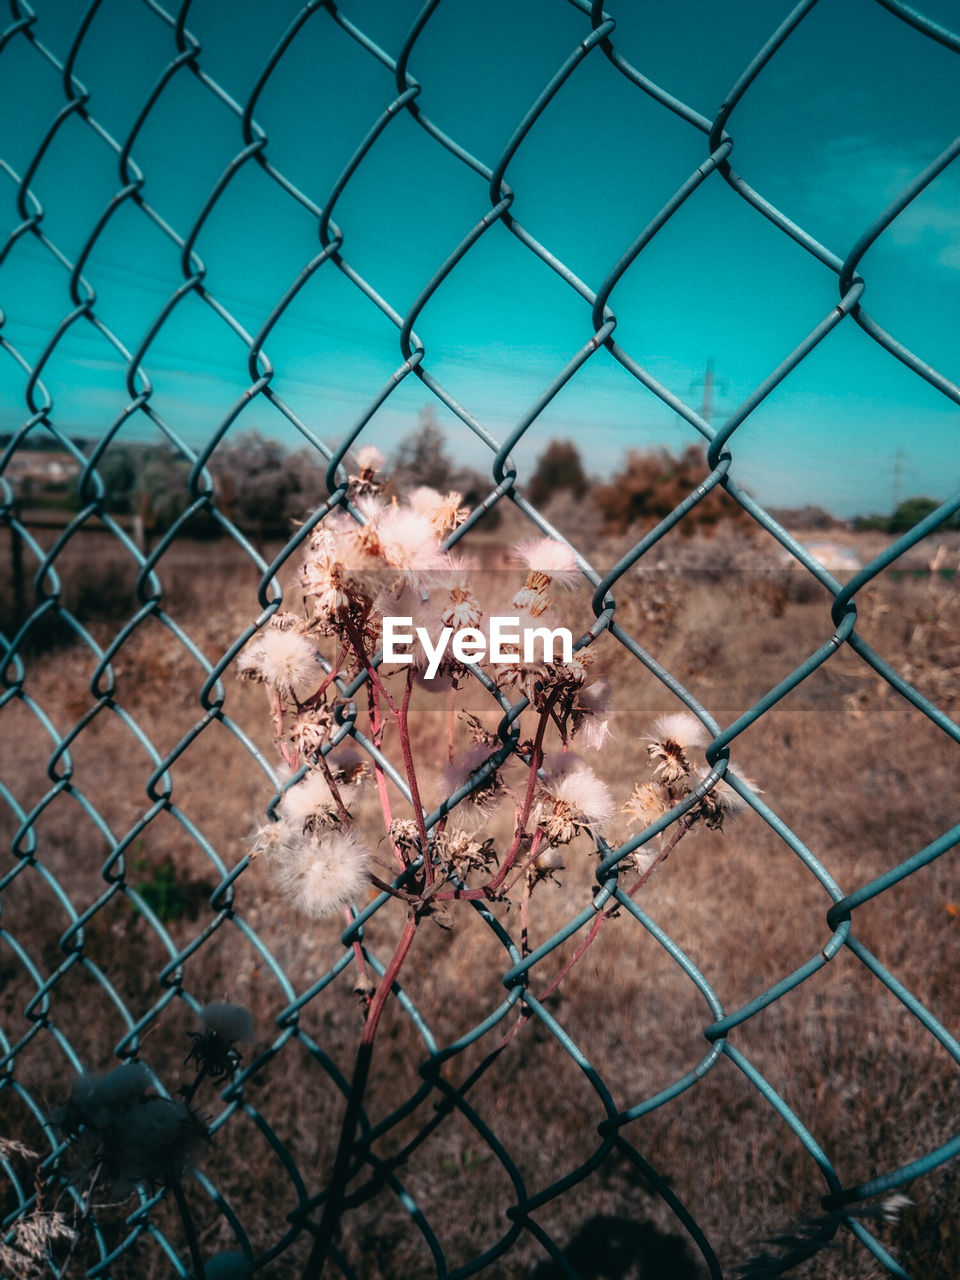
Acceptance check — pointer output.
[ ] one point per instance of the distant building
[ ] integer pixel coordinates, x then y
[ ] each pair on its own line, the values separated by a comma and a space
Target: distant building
39, 471
834, 556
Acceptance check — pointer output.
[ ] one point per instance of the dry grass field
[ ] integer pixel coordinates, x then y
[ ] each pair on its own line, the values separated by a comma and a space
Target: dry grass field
860, 777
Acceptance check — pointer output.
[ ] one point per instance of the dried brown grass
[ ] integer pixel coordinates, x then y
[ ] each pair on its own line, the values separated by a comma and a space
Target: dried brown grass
861, 778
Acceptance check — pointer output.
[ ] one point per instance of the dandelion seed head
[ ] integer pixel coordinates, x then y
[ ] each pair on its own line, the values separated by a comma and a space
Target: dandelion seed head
232, 1023
308, 801
403, 833
670, 739
161, 1136
286, 659
321, 874
463, 852
647, 803
547, 556
573, 799
685, 730
409, 541
595, 698
369, 458
459, 571
444, 511
118, 1089
461, 612
587, 795
270, 839
590, 718
134, 1137
312, 730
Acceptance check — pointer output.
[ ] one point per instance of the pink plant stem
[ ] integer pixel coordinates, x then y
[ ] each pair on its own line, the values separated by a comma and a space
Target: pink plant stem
334, 789
444, 1108
376, 733
400, 715
357, 951
317, 696
531, 858
536, 760
682, 828
188, 1229
406, 752
361, 1070
286, 751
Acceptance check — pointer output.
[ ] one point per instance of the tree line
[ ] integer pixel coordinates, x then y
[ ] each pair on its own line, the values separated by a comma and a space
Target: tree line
264, 488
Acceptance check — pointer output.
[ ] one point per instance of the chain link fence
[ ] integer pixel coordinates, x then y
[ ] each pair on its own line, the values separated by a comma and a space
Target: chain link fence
133, 771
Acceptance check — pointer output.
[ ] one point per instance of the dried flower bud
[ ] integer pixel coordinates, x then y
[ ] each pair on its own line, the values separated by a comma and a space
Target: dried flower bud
647, 803
403, 833
369, 459
573, 799
670, 739
462, 853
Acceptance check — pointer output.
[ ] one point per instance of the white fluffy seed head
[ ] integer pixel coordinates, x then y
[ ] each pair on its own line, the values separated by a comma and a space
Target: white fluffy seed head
310, 798
442, 510
591, 715
546, 556
322, 874
408, 540
685, 730
723, 795
285, 660
647, 803
119, 1088
369, 458
588, 797
231, 1022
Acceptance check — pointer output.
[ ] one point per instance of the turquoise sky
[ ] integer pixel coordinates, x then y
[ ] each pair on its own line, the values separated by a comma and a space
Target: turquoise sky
848, 111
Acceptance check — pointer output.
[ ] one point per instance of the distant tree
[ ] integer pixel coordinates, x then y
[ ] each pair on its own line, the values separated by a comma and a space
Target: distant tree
558, 467
163, 491
651, 485
911, 512
808, 517
421, 457
119, 468
870, 522
263, 487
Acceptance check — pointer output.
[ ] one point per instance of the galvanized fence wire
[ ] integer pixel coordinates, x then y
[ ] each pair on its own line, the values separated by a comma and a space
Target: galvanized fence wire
522, 975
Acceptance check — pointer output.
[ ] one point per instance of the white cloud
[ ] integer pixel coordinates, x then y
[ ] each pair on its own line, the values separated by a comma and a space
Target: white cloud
859, 176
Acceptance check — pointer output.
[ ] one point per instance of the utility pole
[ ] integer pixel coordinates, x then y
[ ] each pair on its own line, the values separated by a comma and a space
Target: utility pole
898, 479
706, 409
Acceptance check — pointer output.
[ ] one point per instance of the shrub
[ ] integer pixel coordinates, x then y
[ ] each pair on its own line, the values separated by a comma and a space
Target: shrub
651, 485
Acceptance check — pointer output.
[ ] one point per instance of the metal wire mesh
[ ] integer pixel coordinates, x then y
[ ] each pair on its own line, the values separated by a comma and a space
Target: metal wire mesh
74, 967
